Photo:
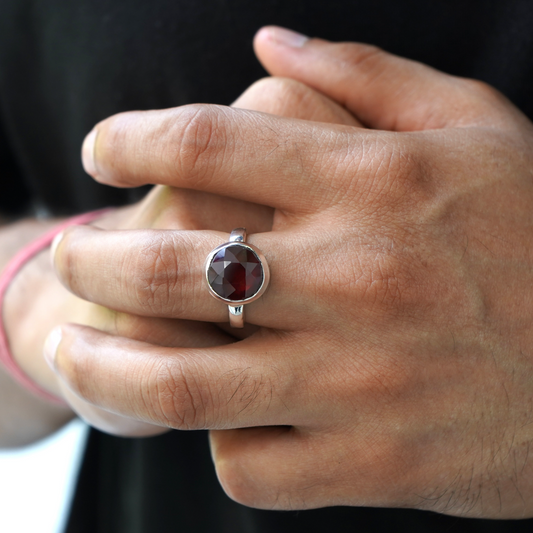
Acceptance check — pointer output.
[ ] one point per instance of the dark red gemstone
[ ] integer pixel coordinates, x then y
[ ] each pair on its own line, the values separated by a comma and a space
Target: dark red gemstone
235, 273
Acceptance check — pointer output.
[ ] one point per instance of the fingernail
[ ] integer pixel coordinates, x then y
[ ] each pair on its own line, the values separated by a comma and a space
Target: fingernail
87, 153
50, 346
287, 37
55, 243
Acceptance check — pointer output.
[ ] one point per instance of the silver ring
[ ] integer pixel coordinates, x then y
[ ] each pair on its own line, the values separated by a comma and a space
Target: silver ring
236, 273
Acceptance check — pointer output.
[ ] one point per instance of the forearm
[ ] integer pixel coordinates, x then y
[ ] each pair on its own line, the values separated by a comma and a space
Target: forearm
24, 417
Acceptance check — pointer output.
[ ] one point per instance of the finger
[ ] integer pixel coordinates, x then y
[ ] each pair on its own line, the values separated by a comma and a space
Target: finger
162, 273
289, 98
222, 150
248, 383
160, 331
384, 91
265, 467
306, 467
185, 209
109, 422
282, 468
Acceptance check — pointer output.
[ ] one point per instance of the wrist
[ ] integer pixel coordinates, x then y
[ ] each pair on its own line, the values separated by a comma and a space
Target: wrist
33, 302
29, 308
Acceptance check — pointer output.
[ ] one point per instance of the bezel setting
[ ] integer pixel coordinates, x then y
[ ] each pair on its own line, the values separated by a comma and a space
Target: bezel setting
262, 261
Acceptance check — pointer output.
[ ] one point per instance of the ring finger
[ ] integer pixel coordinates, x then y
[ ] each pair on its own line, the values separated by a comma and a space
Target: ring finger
162, 273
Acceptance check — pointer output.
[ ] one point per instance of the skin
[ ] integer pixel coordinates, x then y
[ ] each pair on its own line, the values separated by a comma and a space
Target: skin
36, 301
391, 365
24, 418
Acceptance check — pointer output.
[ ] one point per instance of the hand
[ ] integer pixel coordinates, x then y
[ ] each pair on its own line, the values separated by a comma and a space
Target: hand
36, 301
392, 366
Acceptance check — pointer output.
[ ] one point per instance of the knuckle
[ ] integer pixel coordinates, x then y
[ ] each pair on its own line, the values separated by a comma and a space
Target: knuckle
408, 174
377, 386
177, 397
154, 285
237, 484
290, 98
482, 90
273, 87
368, 59
285, 93
395, 176
398, 164
383, 278
485, 104
249, 390
201, 142
261, 90
253, 474
261, 492
247, 484
300, 101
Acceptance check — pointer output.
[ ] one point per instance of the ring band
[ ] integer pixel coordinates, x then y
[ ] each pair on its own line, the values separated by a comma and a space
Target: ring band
236, 273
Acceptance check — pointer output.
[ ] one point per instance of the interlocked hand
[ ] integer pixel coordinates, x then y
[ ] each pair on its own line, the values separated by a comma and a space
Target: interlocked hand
392, 364
164, 207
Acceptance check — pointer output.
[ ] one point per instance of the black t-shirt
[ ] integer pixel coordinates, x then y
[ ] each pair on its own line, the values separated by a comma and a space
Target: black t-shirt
66, 64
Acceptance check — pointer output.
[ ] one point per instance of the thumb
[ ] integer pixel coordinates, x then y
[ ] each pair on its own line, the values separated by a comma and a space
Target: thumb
384, 91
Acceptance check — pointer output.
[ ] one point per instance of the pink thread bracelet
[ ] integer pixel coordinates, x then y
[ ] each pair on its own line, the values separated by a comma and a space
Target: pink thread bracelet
10, 271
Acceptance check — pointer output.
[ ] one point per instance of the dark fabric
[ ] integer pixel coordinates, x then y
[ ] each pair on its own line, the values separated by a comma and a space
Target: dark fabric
15, 198
167, 484
65, 64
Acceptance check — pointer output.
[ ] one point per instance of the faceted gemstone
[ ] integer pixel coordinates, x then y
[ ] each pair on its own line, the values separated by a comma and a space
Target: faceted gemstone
235, 273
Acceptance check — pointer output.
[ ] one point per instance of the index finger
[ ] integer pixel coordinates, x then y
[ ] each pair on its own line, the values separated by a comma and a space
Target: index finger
243, 154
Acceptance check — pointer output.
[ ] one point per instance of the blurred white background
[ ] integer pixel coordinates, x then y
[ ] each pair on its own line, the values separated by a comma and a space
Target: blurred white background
37, 482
